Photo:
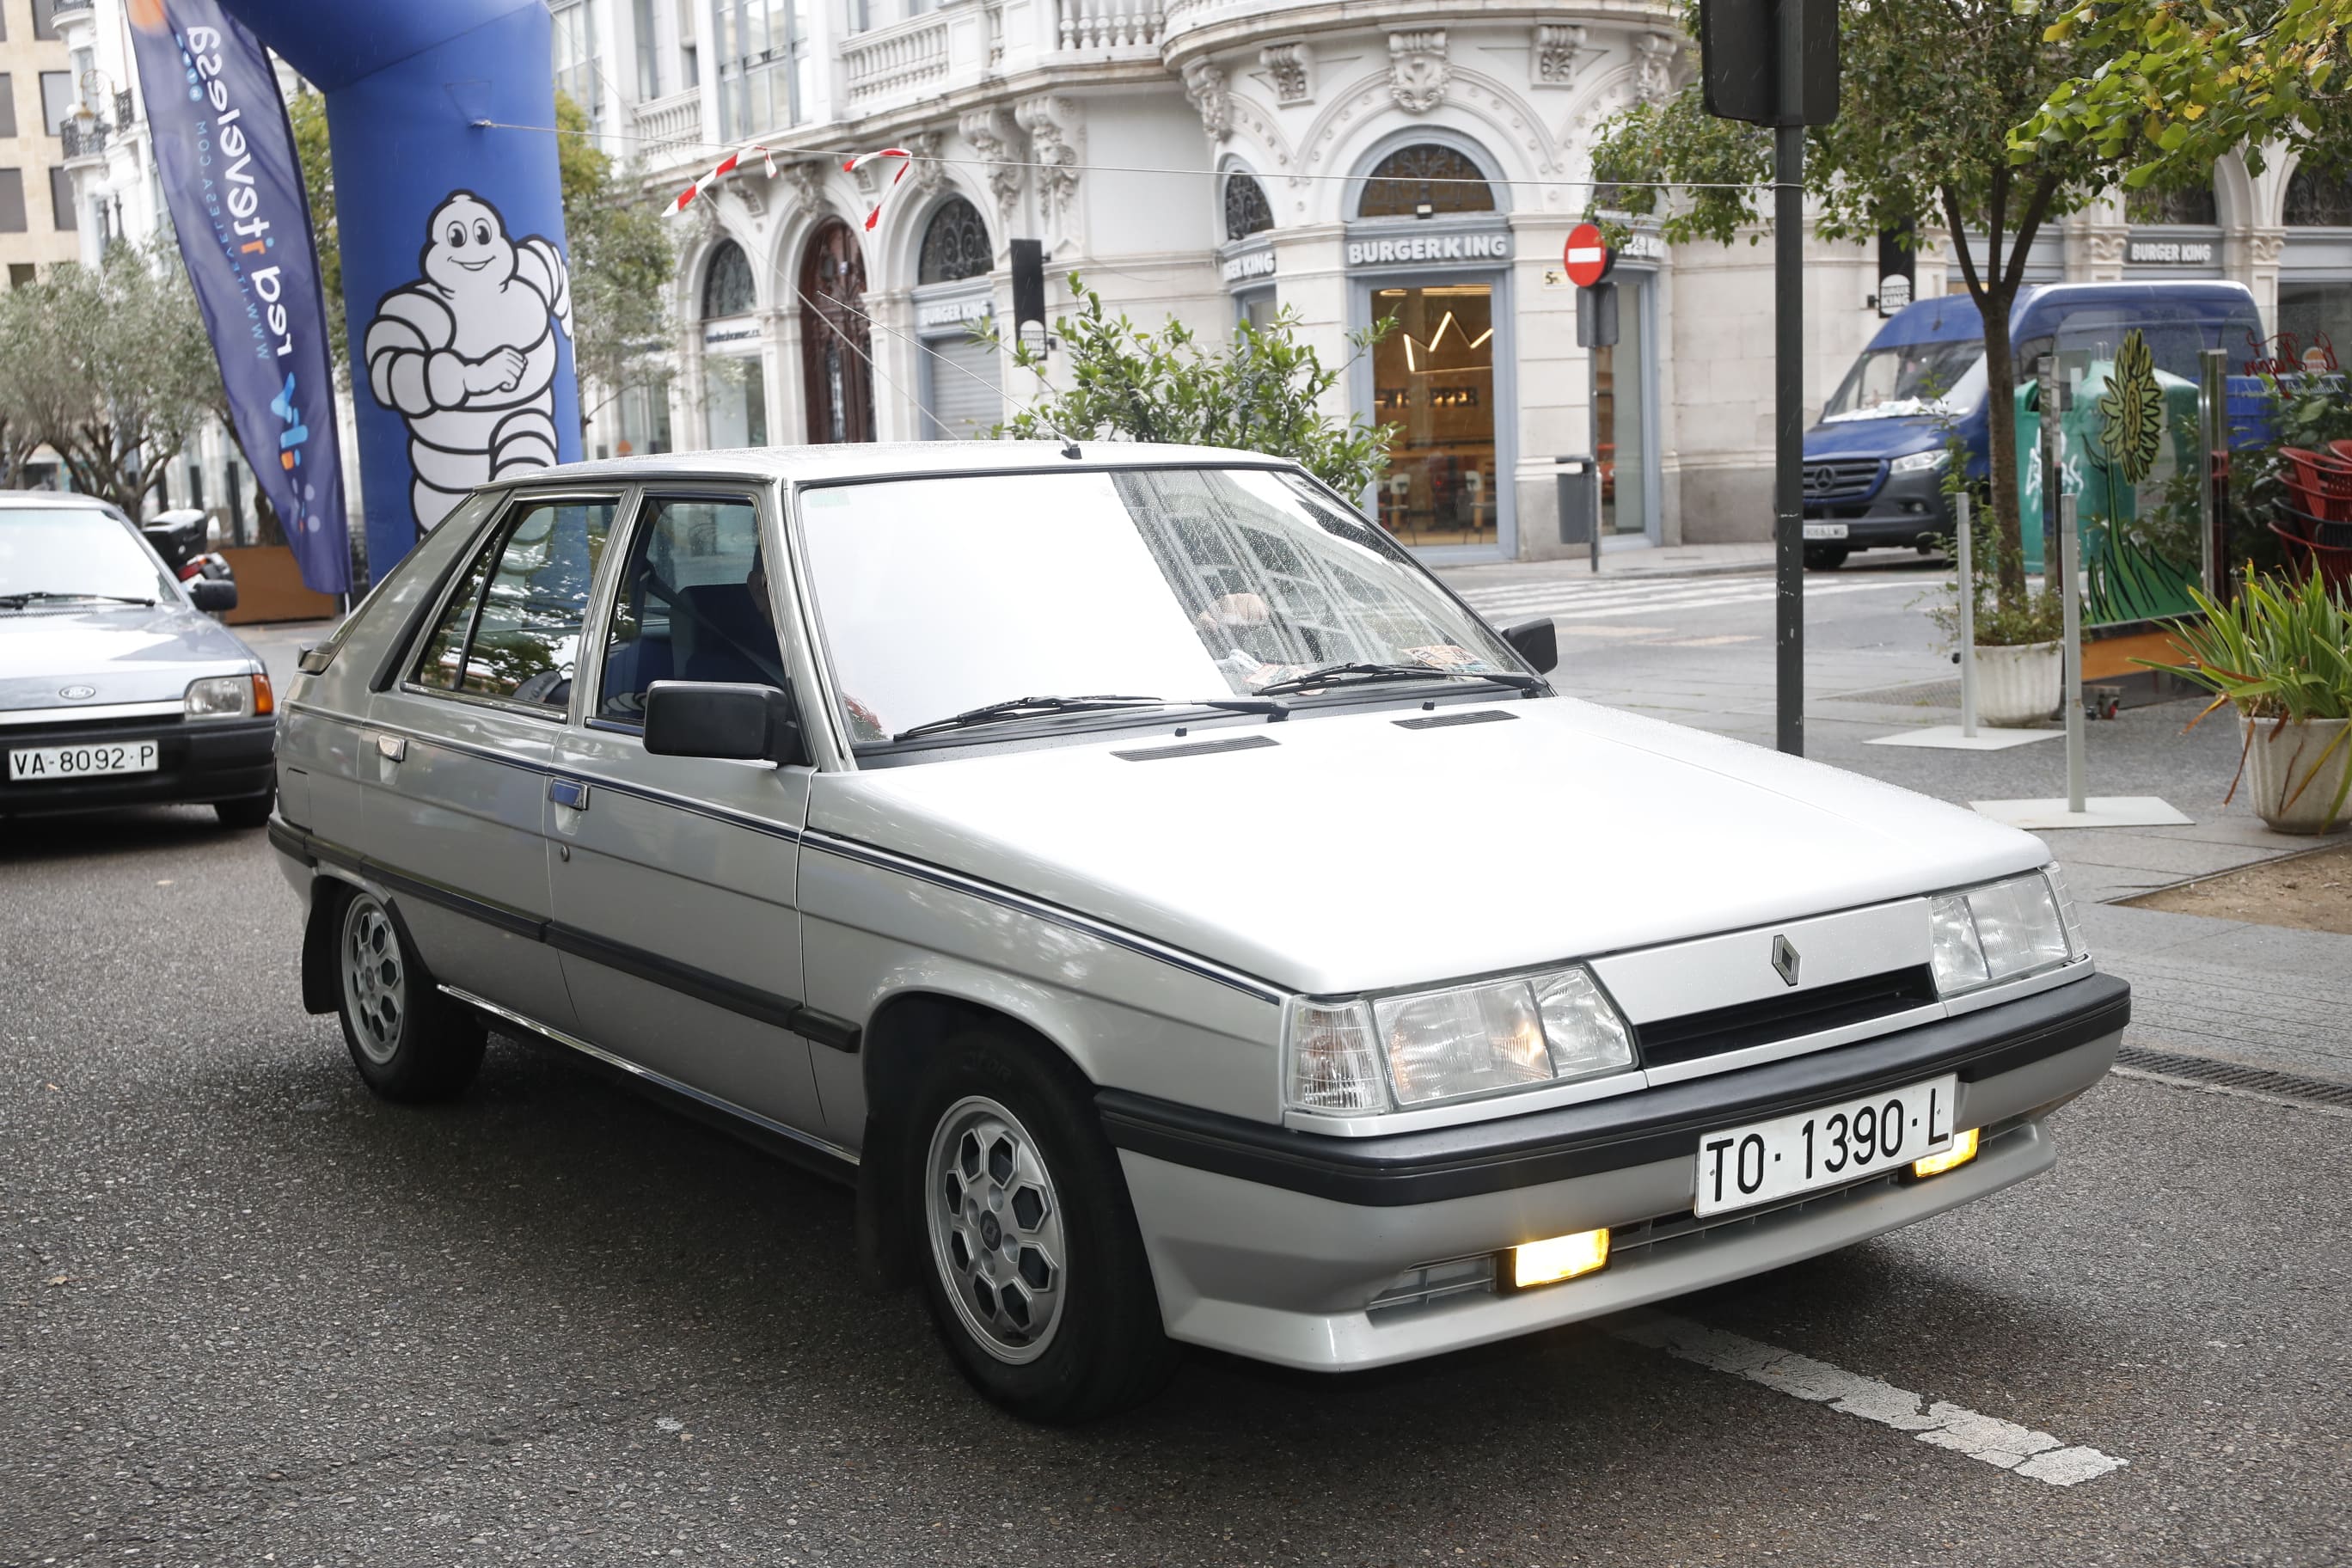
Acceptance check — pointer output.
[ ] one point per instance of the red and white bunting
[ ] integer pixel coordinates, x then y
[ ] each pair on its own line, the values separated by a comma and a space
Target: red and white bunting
906, 161
725, 167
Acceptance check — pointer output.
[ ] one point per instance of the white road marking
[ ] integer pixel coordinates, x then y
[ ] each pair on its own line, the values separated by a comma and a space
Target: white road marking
2004, 1444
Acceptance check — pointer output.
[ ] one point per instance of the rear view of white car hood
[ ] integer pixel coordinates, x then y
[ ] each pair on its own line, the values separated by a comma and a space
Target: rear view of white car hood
1358, 852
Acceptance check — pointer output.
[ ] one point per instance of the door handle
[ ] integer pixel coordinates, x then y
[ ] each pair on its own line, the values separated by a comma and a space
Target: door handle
391, 748
568, 793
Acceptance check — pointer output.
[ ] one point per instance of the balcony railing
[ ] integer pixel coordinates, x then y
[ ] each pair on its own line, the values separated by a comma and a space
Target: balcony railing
669, 123
890, 61
61, 8
123, 108
1095, 26
83, 140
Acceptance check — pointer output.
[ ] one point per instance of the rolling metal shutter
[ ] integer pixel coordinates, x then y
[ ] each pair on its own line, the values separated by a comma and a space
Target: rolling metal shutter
967, 405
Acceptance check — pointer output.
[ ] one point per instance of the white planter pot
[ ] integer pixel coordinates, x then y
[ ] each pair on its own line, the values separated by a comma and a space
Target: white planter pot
2017, 686
2278, 760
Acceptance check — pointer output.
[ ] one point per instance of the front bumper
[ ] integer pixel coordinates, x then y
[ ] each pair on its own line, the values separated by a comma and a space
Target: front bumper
195, 763
1274, 1244
1904, 510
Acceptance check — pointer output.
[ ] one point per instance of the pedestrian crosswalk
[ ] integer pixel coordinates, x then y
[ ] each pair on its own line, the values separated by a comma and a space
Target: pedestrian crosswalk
1588, 598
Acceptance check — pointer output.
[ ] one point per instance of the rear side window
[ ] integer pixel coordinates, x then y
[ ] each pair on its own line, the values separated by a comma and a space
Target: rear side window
692, 605
512, 629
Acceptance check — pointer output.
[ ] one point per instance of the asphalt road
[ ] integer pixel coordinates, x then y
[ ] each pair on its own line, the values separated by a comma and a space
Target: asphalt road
248, 1315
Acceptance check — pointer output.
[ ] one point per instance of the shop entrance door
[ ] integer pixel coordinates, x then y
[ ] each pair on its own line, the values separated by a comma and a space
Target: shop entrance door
835, 350
1433, 382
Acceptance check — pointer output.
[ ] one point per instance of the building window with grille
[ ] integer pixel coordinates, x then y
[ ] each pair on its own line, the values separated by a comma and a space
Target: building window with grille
1247, 212
734, 375
1422, 180
955, 244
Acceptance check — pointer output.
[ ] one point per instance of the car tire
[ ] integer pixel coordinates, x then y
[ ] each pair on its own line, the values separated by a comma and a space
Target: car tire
1030, 1262
410, 1043
1824, 557
253, 811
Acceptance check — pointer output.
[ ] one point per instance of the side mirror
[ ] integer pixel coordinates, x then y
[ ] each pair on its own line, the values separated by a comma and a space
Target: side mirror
213, 595
1536, 642
722, 718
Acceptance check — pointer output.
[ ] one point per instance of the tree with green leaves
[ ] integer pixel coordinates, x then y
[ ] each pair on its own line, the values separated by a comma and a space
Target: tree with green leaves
111, 367
1931, 90
2177, 83
1263, 392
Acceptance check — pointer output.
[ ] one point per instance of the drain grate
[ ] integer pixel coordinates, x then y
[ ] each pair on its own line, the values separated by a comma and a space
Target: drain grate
2230, 1075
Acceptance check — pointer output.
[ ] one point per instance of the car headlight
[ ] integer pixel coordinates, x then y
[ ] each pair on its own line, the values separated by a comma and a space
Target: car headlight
1426, 1045
2001, 931
1920, 462
221, 697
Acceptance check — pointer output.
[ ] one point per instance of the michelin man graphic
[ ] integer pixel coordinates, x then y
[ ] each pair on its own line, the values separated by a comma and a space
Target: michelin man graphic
466, 355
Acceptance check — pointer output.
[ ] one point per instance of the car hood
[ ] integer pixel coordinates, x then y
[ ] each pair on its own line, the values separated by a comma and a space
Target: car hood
124, 653
1888, 435
1358, 853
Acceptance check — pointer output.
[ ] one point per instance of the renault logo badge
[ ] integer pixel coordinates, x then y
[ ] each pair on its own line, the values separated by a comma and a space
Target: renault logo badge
1785, 959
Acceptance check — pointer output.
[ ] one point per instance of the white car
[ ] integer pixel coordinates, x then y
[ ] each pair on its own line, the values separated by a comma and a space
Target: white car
1181, 917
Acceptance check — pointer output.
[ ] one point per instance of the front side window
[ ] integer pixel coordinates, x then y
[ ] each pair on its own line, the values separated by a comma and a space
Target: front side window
938, 595
512, 629
693, 605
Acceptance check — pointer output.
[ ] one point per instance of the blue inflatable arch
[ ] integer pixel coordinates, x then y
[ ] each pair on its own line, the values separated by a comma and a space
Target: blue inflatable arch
455, 276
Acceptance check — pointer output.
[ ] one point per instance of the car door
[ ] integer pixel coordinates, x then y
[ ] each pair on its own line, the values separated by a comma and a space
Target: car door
453, 808
674, 877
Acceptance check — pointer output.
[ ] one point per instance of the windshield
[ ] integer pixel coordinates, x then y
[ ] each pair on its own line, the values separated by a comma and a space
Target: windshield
72, 552
1910, 379
935, 597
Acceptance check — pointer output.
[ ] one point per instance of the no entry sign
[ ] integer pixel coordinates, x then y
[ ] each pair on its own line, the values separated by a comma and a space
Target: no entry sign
1588, 260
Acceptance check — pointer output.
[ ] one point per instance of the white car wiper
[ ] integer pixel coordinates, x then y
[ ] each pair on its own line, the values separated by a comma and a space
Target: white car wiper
19, 601
1356, 673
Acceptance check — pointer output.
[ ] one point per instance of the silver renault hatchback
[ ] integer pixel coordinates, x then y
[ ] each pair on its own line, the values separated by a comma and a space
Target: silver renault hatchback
1180, 917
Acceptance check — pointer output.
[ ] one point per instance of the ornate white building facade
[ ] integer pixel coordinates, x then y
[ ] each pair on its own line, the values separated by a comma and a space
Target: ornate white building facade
1213, 161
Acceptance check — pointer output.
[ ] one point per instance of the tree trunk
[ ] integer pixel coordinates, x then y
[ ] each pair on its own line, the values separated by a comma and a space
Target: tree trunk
2000, 420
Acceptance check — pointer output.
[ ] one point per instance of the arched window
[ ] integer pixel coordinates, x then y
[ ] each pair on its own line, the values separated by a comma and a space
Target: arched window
2193, 205
955, 244
2315, 200
727, 284
1246, 209
1423, 180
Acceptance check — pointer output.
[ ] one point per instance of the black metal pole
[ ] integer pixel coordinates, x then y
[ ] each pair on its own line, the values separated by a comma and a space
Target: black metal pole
1788, 383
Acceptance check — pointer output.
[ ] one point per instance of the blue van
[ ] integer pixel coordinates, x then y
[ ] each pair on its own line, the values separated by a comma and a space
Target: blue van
1874, 462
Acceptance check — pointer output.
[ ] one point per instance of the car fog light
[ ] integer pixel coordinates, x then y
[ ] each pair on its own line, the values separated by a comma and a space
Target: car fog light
1557, 1257
1963, 1150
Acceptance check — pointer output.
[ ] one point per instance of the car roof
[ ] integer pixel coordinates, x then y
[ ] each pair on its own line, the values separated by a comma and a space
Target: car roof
880, 459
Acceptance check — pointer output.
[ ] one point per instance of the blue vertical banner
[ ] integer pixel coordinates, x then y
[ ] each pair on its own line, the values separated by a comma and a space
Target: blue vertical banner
235, 188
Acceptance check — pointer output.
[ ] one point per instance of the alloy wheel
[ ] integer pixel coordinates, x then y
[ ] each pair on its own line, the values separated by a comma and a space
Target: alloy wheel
996, 1231
375, 978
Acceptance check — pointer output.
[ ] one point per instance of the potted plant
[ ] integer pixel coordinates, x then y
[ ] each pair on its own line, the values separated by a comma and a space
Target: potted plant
2281, 656
2017, 640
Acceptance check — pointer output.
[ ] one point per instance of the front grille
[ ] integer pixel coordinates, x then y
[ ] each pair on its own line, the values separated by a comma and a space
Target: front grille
1666, 1042
65, 724
1840, 478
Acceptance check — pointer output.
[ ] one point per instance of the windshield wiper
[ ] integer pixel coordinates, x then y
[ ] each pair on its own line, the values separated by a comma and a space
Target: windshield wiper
19, 601
1358, 673
1021, 707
